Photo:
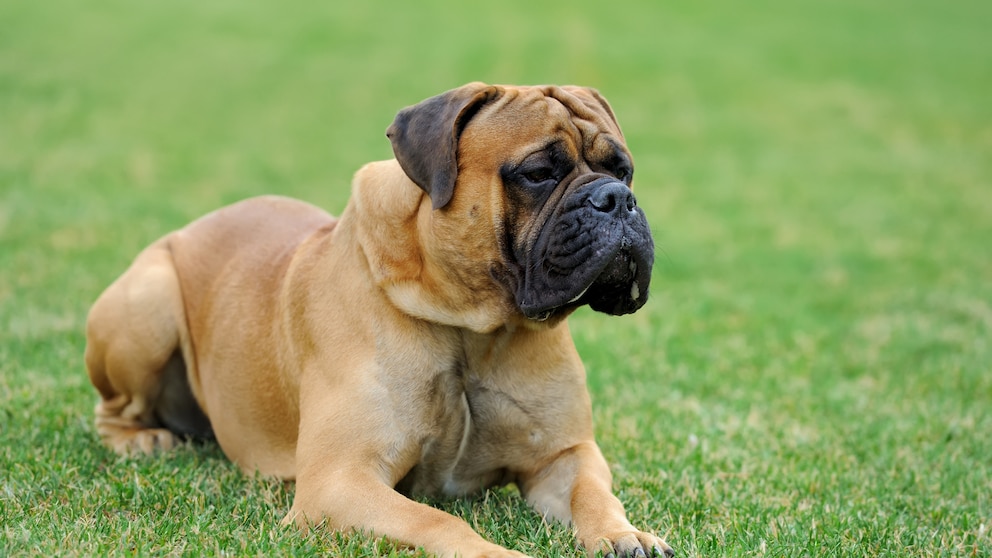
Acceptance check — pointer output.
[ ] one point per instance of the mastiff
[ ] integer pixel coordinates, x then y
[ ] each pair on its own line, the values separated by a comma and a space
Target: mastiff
416, 345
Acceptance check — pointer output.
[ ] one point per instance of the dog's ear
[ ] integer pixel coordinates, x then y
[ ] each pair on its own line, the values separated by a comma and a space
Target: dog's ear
425, 137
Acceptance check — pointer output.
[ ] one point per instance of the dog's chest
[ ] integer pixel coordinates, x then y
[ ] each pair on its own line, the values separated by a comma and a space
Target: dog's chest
484, 436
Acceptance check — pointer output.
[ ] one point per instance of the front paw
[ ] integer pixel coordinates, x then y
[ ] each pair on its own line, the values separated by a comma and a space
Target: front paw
630, 544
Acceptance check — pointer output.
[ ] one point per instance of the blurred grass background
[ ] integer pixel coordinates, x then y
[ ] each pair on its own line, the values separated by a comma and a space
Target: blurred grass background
811, 377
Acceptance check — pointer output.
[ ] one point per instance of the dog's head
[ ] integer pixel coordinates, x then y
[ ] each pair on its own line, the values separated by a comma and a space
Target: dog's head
534, 183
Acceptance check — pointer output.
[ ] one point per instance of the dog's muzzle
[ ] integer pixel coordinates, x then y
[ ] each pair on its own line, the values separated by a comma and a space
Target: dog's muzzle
596, 249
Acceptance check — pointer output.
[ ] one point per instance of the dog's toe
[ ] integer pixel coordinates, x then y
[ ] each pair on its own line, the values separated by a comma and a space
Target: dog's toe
635, 545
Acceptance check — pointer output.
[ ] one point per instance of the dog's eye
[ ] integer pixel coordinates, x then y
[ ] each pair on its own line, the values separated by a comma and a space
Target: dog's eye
623, 173
539, 175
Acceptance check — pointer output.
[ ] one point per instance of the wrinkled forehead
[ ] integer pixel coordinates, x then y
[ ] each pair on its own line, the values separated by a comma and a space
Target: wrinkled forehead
532, 117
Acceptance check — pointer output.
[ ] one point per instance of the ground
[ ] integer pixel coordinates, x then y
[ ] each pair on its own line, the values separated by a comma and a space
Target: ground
811, 377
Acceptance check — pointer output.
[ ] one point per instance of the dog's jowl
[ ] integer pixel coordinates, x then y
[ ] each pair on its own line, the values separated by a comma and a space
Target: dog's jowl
417, 344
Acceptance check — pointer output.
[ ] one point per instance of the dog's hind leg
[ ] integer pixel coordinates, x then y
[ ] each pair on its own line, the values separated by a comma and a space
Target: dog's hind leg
134, 354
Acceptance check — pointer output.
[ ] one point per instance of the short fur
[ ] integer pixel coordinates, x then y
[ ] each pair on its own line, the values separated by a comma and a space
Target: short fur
415, 345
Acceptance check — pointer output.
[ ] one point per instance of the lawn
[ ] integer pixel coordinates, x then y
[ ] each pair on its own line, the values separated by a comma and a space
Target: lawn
812, 375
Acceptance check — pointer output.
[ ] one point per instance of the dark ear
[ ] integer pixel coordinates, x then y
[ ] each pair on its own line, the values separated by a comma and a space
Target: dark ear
425, 137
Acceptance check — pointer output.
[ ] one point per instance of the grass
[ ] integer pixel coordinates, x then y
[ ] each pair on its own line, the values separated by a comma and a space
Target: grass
813, 375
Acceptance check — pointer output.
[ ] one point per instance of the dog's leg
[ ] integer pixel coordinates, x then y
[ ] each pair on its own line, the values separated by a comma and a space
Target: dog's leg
355, 500
576, 488
350, 454
132, 338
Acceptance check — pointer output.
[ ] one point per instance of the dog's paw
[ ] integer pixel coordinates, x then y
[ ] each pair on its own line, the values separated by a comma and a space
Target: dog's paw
630, 544
140, 441
499, 552
482, 549
121, 427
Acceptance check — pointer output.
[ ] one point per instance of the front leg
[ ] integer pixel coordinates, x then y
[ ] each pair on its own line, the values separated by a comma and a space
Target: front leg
354, 500
350, 455
576, 487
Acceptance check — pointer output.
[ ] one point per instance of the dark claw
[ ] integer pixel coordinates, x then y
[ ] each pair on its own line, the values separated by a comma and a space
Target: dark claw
638, 553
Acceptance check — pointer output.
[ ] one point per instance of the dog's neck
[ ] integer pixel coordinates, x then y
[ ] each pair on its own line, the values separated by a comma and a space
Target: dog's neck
409, 268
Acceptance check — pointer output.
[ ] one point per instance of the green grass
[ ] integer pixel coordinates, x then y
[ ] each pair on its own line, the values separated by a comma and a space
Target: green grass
813, 374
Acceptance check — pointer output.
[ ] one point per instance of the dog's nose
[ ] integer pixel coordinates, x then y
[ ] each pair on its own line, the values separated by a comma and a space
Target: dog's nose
613, 197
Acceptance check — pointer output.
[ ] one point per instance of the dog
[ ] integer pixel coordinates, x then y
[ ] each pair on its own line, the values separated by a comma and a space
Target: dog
418, 344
